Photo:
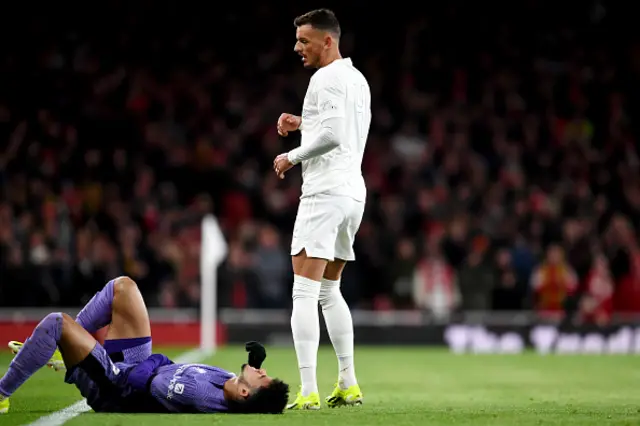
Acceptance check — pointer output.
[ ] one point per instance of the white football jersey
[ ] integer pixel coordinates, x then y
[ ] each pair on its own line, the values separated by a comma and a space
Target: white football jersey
337, 90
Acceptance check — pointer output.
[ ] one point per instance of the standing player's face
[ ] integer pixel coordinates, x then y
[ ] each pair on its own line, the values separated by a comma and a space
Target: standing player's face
310, 45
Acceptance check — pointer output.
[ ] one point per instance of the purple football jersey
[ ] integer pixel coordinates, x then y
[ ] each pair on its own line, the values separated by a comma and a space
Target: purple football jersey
191, 388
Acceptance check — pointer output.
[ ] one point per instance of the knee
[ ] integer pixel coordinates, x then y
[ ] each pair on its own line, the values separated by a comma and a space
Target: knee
305, 288
53, 324
124, 286
54, 317
329, 294
66, 318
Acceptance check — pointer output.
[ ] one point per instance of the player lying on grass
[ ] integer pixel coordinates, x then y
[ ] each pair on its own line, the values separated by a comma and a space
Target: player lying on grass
123, 376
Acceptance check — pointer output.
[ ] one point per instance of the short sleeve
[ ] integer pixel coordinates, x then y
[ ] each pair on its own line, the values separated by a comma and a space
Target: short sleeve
332, 99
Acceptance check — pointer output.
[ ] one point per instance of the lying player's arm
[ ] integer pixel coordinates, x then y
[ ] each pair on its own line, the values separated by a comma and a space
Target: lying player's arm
328, 140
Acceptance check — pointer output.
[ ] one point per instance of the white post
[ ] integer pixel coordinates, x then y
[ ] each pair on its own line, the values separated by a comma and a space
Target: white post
212, 253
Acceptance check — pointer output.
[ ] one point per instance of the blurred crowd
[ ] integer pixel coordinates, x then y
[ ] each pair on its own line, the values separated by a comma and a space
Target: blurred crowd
502, 167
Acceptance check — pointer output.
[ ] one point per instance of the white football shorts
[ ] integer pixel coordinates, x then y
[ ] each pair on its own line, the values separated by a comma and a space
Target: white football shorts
326, 226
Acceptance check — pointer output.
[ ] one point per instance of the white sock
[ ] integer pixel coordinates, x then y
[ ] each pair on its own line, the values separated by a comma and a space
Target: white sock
340, 327
305, 327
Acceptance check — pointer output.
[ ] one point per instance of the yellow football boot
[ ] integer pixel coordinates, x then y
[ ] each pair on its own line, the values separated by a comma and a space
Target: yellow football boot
310, 402
4, 406
345, 397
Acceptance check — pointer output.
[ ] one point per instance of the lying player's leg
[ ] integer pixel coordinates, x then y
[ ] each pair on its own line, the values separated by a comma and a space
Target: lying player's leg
312, 246
95, 315
55, 330
56, 362
336, 312
129, 336
120, 306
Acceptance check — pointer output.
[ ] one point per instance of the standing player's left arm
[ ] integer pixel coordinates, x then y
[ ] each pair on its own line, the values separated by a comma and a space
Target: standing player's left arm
332, 100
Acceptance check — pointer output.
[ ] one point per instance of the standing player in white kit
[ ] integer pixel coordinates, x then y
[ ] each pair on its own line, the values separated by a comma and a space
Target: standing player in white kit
336, 115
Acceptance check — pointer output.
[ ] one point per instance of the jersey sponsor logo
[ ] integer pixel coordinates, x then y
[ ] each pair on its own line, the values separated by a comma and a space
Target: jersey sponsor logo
179, 388
174, 385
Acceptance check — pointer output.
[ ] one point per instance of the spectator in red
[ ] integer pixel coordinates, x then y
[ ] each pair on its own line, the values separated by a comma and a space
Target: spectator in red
553, 281
596, 305
626, 266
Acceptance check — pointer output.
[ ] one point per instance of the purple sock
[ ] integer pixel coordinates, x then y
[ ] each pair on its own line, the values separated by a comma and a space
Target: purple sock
35, 353
97, 313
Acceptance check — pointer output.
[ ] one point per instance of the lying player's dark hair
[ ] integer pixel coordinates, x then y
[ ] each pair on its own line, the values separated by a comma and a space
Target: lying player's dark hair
267, 400
320, 19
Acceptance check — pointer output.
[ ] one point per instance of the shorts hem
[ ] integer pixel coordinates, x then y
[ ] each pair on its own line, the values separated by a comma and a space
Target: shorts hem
119, 345
319, 254
349, 258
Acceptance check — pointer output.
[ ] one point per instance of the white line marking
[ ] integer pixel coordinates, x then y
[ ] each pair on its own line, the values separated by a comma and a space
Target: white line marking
61, 417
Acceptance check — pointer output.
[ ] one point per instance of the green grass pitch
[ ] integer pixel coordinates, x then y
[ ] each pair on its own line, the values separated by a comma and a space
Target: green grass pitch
404, 386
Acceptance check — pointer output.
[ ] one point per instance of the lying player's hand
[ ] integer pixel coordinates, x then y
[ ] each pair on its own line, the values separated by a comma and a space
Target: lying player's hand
257, 354
281, 164
288, 123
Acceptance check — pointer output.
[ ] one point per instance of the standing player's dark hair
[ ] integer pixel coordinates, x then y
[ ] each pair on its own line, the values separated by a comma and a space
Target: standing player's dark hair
267, 400
320, 19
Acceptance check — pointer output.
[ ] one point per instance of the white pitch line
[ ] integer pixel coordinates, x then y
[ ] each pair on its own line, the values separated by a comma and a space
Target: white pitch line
61, 417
